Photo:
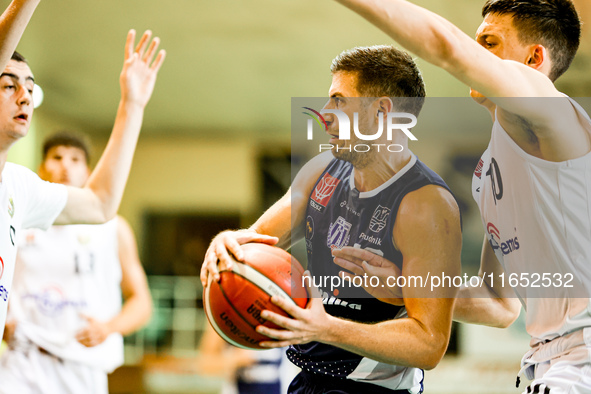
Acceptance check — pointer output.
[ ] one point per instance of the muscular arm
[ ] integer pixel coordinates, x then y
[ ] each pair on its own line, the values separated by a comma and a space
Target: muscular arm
441, 43
420, 340
99, 199
487, 305
13, 22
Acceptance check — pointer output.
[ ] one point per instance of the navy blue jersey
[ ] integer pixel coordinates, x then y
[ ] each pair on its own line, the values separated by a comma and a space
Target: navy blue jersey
339, 215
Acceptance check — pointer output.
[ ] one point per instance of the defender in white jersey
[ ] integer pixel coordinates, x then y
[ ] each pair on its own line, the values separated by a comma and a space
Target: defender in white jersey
539, 219
29, 202
65, 320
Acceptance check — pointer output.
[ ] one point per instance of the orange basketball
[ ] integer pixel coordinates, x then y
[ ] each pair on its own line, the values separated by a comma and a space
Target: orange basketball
234, 304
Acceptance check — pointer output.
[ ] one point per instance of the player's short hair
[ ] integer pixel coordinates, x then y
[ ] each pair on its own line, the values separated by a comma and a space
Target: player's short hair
18, 57
384, 71
70, 139
555, 24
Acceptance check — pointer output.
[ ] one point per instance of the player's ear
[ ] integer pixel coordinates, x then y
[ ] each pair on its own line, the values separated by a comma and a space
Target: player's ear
384, 106
537, 56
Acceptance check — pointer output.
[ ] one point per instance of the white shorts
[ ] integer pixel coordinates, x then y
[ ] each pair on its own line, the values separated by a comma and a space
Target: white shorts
561, 366
31, 371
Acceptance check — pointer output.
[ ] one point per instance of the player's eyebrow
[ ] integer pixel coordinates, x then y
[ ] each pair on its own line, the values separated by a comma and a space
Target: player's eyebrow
14, 76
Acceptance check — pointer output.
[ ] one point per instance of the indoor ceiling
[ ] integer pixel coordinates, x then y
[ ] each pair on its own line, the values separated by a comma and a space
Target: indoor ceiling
232, 65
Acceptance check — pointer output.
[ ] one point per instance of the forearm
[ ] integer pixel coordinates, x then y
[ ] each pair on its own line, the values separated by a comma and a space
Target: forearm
481, 305
12, 25
417, 29
134, 315
107, 181
404, 342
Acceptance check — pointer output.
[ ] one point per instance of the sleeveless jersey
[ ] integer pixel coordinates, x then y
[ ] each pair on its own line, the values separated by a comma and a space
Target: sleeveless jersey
25, 202
537, 218
339, 215
64, 273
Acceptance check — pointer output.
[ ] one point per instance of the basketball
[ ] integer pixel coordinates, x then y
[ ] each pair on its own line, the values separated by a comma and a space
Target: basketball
234, 304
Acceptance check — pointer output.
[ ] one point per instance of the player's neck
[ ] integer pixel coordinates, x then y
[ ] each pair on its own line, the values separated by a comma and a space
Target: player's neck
381, 170
3, 158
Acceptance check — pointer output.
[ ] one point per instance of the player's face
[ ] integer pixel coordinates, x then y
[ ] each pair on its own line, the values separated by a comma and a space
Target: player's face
16, 101
65, 165
345, 97
498, 35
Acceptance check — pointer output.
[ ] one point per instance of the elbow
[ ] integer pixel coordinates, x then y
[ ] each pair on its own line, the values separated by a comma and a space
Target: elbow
434, 352
511, 308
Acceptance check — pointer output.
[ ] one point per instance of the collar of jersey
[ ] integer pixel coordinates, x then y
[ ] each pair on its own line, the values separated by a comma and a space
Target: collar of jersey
374, 192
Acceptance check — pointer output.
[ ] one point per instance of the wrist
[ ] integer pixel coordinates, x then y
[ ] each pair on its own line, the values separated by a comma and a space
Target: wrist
331, 330
131, 104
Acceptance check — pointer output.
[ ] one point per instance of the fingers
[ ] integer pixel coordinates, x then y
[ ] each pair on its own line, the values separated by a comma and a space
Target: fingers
282, 335
272, 344
348, 265
292, 309
281, 321
159, 60
151, 50
129, 44
141, 46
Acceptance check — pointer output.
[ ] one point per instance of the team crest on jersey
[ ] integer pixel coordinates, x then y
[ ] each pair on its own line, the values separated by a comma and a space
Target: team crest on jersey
11, 206
323, 192
478, 170
379, 219
338, 233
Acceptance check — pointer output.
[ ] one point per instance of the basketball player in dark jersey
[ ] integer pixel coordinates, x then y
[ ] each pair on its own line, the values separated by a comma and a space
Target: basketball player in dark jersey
345, 341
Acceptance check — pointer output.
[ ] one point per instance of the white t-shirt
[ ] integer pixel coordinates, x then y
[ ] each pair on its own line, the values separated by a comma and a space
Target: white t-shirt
25, 202
537, 217
62, 274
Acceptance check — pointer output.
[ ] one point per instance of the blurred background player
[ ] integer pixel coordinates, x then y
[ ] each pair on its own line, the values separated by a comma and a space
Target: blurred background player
65, 321
244, 371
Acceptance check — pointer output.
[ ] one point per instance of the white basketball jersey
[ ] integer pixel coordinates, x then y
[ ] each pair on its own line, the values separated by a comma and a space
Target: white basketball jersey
62, 274
537, 218
25, 202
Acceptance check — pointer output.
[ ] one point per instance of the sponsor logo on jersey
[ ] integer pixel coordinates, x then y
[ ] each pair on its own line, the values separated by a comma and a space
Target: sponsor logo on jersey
478, 170
323, 192
10, 206
371, 239
345, 204
338, 233
51, 301
379, 218
506, 247
328, 299
1, 267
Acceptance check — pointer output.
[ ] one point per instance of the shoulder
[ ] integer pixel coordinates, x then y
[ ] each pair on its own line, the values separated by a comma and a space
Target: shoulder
311, 171
124, 230
428, 202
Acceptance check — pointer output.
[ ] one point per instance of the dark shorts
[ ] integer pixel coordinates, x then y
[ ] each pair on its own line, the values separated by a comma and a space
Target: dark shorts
307, 383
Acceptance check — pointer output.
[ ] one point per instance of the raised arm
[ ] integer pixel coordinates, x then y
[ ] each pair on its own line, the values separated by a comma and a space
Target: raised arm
438, 41
99, 199
13, 22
